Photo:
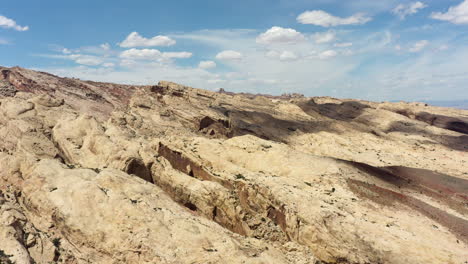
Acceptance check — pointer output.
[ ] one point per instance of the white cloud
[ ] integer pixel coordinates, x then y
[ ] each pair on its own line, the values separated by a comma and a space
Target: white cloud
328, 54
343, 45
229, 55
86, 59
105, 46
256, 73
6, 22
177, 55
108, 64
403, 10
104, 49
136, 40
4, 42
152, 54
66, 51
83, 59
128, 63
418, 46
348, 52
324, 19
141, 54
456, 14
277, 35
414, 47
283, 56
386, 76
206, 64
100, 50
288, 56
324, 37
273, 54
219, 38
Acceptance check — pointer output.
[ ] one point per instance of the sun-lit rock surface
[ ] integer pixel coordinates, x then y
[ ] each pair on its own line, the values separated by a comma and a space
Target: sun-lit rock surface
105, 173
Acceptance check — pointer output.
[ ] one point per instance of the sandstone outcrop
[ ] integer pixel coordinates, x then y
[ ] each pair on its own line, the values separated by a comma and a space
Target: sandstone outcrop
173, 174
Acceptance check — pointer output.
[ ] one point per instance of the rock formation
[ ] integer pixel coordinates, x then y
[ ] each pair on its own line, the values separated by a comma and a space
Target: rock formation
105, 173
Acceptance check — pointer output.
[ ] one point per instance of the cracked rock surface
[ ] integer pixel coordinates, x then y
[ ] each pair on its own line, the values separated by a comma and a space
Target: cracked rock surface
105, 173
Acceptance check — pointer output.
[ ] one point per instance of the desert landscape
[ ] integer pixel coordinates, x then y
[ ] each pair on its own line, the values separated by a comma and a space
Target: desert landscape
94, 172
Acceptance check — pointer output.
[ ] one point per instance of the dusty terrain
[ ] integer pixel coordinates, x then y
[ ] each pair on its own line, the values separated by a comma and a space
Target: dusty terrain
105, 173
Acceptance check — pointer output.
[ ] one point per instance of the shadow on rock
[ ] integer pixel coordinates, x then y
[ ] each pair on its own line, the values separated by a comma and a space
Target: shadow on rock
345, 111
459, 143
266, 126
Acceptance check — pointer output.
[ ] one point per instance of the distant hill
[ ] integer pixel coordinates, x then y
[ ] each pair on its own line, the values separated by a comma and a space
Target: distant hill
462, 104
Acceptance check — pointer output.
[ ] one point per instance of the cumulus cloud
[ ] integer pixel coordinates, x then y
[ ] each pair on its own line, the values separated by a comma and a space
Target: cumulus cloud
324, 19
136, 40
403, 10
152, 54
105, 46
333, 73
66, 51
324, 37
277, 35
273, 54
229, 55
328, 54
206, 64
456, 14
288, 56
418, 46
283, 55
177, 55
6, 22
141, 54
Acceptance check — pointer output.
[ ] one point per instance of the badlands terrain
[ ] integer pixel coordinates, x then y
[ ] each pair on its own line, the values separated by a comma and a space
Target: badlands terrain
105, 173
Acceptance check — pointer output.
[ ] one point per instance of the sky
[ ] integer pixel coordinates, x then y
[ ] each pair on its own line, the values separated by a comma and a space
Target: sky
364, 49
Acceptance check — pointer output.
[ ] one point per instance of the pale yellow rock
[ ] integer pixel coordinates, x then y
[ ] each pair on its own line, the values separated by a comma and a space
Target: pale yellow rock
114, 214
104, 173
352, 229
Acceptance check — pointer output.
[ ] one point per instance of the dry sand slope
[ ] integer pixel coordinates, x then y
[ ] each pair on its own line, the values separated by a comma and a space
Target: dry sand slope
105, 173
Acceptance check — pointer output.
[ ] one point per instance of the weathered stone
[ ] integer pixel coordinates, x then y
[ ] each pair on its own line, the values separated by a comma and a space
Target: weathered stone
104, 173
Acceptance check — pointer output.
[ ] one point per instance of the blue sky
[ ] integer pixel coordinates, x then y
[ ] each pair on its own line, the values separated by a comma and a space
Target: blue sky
367, 49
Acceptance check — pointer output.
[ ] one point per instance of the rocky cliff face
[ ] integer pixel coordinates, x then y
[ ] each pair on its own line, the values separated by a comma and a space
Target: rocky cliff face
105, 173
